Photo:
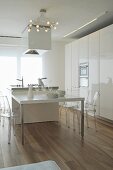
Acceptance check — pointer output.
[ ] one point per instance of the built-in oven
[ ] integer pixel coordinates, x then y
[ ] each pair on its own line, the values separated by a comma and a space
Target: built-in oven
84, 69
84, 74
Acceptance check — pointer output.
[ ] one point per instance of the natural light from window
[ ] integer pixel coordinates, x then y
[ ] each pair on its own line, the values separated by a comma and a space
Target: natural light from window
12, 68
8, 72
31, 69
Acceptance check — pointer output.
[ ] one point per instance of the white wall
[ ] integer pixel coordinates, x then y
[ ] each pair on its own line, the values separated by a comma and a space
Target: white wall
53, 65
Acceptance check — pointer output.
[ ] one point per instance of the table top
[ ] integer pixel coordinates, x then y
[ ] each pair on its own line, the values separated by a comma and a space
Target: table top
22, 98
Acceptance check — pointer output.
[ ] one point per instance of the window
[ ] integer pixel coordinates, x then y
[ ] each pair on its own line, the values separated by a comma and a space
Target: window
28, 67
31, 69
8, 71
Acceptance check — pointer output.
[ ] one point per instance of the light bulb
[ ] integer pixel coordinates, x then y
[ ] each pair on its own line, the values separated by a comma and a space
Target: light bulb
30, 20
46, 30
54, 28
38, 30
30, 25
48, 22
37, 26
29, 29
57, 23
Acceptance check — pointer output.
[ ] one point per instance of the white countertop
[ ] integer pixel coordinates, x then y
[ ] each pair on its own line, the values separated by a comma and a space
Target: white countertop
22, 98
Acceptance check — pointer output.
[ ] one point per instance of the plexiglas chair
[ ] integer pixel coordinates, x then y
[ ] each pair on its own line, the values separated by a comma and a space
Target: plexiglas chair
89, 109
67, 106
76, 110
63, 107
5, 112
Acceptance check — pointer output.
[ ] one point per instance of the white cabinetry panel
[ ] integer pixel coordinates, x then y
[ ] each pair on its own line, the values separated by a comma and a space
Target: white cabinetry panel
106, 72
68, 67
83, 49
94, 71
75, 65
97, 50
71, 66
83, 58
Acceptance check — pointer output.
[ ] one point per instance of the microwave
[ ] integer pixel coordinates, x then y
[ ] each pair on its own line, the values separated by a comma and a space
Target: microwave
84, 70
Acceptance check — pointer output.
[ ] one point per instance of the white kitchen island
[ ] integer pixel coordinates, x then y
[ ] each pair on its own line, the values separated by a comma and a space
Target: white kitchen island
25, 105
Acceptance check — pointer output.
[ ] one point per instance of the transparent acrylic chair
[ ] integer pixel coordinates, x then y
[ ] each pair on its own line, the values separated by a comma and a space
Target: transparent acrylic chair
74, 105
67, 107
91, 107
76, 108
5, 112
64, 107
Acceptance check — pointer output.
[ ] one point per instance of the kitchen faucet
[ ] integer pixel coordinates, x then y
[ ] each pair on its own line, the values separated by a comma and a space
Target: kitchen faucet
21, 81
40, 82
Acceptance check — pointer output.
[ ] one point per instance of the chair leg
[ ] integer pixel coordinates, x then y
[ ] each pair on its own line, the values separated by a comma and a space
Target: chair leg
74, 121
78, 119
14, 125
3, 118
60, 112
67, 118
9, 129
87, 119
95, 120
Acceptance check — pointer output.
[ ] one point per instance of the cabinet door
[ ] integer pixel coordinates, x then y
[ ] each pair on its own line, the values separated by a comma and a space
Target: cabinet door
75, 65
83, 47
68, 67
106, 72
94, 71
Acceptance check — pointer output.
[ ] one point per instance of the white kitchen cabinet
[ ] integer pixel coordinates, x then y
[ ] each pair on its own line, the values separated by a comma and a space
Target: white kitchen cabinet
94, 61
95, 49
68, 68
83, 48
106, 72
75, 65
71, 66
75, 53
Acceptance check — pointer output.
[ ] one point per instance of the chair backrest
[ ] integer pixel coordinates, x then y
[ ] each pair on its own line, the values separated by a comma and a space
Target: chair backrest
86, 103
87, 97
96, 95
5, 106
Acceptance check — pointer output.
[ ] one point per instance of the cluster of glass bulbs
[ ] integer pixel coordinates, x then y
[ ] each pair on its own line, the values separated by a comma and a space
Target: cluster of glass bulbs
42, 23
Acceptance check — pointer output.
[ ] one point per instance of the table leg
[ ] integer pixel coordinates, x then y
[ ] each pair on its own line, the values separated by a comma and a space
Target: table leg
9, 129
22, 123
82, 119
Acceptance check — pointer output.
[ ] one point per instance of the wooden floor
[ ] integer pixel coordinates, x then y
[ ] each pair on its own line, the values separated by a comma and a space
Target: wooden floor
49, 141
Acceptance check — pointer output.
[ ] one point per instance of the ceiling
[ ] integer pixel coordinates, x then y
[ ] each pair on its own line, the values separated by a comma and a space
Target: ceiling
71, 15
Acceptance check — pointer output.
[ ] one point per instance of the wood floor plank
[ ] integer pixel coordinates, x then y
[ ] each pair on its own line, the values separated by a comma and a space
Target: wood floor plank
49, 141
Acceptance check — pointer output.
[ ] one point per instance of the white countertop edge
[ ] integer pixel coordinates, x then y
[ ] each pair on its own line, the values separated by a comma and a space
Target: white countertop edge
22, 99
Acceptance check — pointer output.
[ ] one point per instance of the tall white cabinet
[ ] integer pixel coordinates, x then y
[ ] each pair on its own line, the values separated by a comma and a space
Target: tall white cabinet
74, 65
83, 46
95, 49
94, 65
68, 62
71, 67
106, 72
